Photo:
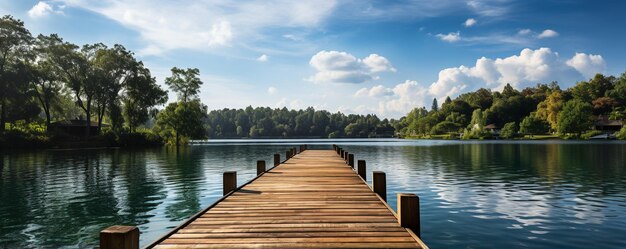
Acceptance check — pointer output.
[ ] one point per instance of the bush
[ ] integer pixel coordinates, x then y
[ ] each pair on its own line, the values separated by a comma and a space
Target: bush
590, 134
138, 139
509, 130
19, 139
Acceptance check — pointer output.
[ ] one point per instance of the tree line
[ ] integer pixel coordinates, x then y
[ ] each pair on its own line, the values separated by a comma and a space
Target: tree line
281, 122
543, 109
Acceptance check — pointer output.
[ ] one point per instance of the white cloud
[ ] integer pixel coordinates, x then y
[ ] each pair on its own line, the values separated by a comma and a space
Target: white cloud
524, 32
548, 33
263, 58
469, 22
526, 69
200, 25
587, 64
490, 8
342, 67
272, 90
42, 9
376, 91
378, 63
450, 37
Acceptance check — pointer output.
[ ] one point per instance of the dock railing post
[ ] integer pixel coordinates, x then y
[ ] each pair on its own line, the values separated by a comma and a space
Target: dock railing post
361, 169
276, 159
341, 152
345, 156
379, 184
409, 212
230, 181
287, 154
260, 167
351, 160
119, 237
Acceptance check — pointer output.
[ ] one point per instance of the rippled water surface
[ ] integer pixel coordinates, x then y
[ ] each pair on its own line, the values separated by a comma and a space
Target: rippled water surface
473, 194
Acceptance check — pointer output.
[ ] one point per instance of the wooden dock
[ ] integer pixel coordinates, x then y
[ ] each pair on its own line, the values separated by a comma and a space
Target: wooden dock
315, 199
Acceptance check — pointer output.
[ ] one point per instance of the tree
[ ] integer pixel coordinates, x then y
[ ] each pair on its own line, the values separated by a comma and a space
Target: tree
141, 93
182, 119
46, 81
532, 125
509, 130
435, 106
15, 41
185, 82
550, 108
575, 117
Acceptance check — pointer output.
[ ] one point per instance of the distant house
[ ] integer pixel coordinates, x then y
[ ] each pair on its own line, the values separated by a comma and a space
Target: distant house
603, 123
493, 129
75, 127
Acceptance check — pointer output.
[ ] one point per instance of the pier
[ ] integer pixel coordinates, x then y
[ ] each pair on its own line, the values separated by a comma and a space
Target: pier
312, 199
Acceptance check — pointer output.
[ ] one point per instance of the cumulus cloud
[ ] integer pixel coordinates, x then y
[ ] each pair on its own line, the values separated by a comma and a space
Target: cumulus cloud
42, 9
548, 33
450, 37
263, 58
376, 91
272, 90
587, 64
167, 25
469, 22
342, 67
523, 70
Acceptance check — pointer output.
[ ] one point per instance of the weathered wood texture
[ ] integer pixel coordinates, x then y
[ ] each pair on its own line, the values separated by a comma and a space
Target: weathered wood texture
313, 200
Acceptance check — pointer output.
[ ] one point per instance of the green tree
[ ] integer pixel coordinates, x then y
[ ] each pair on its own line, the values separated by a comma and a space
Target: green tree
185, 82
142, 92
550, 108
435, 106
15, 43
533, 125
183, 120
46, 81
576, 117
509, 130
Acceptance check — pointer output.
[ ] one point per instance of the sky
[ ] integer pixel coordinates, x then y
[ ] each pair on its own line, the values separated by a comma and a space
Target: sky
353, 56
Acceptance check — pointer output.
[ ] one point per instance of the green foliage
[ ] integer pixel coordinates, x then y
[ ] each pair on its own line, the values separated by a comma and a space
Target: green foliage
533, 125
509, 130
589, 134
445, 127
182, 120
621, 134
185, 82
575, 117
267, 122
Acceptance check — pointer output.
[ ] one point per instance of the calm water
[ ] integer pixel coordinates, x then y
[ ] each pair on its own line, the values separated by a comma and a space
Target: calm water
473, 194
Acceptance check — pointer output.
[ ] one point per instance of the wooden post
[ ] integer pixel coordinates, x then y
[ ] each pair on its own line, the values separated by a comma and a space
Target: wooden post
379, 184
119, 237
287, 154
260, 167
409, 212
345, 156
361, 169
276, 159
341, 153
351, 160
230, 181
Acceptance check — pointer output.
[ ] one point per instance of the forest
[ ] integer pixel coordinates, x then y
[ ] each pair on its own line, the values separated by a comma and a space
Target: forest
543, 109
50, 88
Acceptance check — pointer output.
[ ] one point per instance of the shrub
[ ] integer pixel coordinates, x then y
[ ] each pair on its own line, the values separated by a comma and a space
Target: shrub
509, 130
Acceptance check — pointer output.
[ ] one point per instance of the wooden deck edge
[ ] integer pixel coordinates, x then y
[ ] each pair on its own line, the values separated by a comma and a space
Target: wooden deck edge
195, 216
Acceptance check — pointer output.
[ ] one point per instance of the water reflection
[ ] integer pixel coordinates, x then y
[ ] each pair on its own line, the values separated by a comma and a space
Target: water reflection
473, 194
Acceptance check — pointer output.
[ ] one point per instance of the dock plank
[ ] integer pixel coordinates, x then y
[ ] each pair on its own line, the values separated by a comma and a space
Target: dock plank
313, 200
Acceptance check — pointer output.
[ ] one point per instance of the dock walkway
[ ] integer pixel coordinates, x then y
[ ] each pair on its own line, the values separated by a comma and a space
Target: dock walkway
312, 200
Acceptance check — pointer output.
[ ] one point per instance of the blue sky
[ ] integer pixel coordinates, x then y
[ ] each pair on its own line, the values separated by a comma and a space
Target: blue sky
360, 56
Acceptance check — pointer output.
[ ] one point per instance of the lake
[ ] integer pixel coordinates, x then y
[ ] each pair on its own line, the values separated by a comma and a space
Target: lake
474, 194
